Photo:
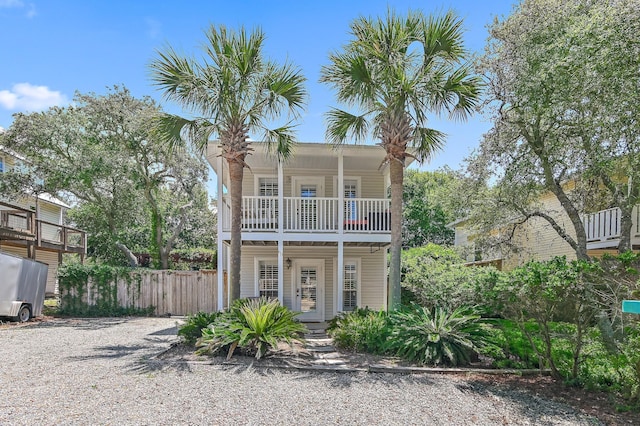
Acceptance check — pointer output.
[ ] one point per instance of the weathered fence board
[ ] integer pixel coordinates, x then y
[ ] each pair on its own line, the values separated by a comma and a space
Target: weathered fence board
169, 292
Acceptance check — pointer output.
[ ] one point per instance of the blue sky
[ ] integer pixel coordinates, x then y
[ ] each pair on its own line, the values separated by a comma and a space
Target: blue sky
50, 49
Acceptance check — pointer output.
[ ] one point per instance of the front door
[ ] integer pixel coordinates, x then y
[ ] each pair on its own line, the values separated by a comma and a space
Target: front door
309, 289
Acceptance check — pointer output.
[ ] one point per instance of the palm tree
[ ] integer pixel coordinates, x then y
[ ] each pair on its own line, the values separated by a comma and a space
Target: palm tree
232, 92
395, 71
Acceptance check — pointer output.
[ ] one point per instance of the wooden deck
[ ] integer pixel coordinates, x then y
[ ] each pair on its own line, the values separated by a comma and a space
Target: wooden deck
20, 227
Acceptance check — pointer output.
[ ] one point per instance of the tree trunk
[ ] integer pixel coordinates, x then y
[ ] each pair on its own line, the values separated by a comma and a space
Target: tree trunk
626, 223
236, 172
397, 175
131, 258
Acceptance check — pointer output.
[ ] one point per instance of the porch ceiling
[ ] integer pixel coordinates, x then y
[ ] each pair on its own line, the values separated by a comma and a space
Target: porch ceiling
307, 156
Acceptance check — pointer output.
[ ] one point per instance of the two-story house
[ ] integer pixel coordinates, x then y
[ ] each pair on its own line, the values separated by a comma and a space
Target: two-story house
315, 229
33, 226
535, 239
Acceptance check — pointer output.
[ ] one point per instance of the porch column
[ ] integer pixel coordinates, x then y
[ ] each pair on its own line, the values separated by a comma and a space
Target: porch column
280, 200
340, 277
220, 212
340, 192
281, 271
385, 281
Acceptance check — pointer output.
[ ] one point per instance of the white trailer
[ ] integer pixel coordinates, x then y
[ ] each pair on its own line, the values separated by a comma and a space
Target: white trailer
22, 286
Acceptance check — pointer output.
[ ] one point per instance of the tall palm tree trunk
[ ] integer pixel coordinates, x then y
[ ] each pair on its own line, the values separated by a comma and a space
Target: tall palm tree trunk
236, 172
396, 169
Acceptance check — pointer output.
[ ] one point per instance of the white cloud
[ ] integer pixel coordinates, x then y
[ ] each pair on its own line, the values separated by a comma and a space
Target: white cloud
19, 4
27, 97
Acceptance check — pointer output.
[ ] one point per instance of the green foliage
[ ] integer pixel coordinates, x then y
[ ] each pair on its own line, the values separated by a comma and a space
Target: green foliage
544, 292
362, 330
101, 153
73, 279
436, 277
252, 324
194, 258
435, 336
191, 330
429, 203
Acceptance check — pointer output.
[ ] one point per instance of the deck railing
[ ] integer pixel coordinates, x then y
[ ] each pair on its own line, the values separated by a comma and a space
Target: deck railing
602, 225
20, 224
303, 214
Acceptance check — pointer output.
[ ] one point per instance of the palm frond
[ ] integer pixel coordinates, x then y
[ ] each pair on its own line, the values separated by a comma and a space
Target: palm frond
175, 131
426, 142
443, 38
280, 141
341, 124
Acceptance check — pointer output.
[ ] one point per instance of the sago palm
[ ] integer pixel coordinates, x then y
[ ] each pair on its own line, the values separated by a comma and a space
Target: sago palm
395, 72
232, 92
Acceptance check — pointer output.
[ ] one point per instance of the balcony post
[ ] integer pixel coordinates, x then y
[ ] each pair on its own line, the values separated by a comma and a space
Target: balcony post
340, 277
281, 211
340, 192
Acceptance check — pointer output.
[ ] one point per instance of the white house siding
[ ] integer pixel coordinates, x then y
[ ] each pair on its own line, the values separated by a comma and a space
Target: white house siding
48, 257
372, 278
371, 182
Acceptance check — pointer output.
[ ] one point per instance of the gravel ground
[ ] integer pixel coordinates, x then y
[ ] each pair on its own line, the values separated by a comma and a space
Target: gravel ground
101, 371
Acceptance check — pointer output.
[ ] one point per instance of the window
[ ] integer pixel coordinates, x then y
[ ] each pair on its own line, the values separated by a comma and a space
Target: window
350, 290
1, 164
350, 206
268, 187
268, 279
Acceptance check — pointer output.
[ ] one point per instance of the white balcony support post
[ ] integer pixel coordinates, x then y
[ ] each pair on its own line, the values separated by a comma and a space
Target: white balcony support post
340, 205
220, 213
340, 277
281, 208
385, 282
281, 271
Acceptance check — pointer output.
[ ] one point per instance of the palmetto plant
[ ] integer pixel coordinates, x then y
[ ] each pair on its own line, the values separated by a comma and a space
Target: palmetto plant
254, 324
362, 330
230, 93
435, 336
396, 71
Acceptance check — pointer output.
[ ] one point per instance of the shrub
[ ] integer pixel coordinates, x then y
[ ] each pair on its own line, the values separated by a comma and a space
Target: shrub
435, 336
543, 293
435, 276
191, 330
193, 259
253, 324
363, 330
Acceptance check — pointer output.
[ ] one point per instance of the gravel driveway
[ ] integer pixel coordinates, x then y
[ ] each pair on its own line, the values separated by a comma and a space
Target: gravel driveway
97, 372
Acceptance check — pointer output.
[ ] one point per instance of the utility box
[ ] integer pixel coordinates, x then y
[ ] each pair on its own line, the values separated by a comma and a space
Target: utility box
22, 287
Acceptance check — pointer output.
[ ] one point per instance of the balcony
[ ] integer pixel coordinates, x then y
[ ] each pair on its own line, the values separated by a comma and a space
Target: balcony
20, 227
603, 228
311, 215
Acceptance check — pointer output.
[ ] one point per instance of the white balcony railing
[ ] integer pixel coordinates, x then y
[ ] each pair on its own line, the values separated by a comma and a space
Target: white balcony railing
302, 214
603, 225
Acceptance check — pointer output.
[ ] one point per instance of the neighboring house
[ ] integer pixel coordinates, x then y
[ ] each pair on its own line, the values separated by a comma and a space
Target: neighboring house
32, 226
537, 240
315, 229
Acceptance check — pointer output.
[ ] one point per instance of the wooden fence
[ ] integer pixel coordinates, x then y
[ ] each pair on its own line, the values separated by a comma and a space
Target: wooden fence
169, 292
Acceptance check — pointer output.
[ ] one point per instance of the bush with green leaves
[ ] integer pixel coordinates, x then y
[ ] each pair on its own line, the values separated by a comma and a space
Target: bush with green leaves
542, 293
254, 325
435, 276
435, 336
191, 330
362, 330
